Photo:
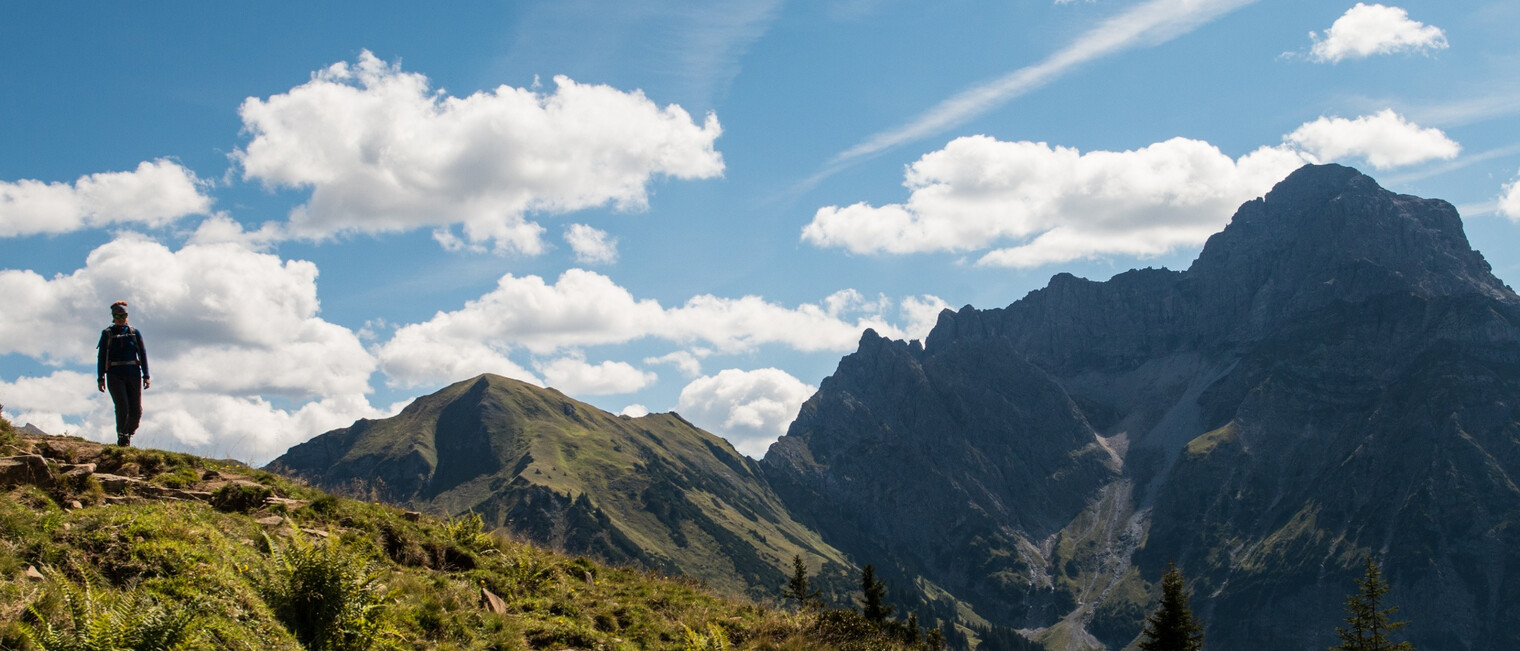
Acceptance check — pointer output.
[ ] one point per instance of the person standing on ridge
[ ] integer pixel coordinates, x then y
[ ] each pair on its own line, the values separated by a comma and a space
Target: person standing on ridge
122, 367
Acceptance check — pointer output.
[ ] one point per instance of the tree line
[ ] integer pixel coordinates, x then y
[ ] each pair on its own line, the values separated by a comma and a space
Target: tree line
1369, 621
1172, 626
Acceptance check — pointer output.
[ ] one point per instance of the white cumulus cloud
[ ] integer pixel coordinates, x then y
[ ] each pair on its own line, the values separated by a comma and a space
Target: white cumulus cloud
43, 401
584, 308
591, 245
383, 151
1509, 201
749, 408
689, 362
1384, 139
154, 194
920, 314
1038, 204
1366, 30
573, 375
241, 360
1028, 204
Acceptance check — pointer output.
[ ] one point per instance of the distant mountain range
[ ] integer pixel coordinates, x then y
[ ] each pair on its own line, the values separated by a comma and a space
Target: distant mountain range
1336, 376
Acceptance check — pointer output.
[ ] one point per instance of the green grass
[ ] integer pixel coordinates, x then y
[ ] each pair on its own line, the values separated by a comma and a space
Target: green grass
1207, 442
333, 574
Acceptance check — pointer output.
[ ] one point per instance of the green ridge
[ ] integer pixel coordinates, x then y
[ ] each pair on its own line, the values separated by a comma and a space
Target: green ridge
143, 556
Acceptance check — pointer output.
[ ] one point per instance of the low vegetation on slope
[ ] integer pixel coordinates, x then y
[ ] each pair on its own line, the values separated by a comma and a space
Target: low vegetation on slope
104, 547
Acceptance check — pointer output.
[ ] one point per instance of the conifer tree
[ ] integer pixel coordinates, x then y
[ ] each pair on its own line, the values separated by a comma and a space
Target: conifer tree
1172, 627
1367, 621
874, 594
800, 588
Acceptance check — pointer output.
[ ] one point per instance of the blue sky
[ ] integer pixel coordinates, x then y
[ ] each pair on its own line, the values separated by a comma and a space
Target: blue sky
319, 212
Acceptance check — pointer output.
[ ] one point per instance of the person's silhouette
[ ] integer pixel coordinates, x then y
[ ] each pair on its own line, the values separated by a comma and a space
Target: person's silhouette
122, 368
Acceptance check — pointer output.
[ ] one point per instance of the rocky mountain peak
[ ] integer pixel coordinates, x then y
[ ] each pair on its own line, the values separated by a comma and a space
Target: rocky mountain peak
1331, 231
1326, 235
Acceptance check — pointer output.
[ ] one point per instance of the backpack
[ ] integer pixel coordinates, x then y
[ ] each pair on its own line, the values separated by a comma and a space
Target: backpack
122, 344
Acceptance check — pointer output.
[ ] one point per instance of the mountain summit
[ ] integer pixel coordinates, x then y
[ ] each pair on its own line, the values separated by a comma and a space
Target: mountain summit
1335, 377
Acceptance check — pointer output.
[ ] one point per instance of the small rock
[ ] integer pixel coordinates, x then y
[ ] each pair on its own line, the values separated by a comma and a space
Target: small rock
79, 470
74, 505
33, 574
491, 602
411, 516
316, 532
286, 502
117, 484
271, 521
187, 495
210, 475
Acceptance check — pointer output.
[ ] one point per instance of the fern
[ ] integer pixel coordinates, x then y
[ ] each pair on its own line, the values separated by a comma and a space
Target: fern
326, 596
716, 639
99, 622
469, 532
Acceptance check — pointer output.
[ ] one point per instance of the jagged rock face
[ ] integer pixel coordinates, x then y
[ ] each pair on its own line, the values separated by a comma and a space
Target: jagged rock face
911, 459
1336, 375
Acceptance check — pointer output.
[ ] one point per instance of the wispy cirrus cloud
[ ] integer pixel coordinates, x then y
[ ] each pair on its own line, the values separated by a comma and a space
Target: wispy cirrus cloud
1147, 24
693, 48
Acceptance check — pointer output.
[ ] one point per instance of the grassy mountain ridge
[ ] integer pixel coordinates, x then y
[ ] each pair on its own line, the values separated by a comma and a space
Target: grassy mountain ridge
654, 491
107, 542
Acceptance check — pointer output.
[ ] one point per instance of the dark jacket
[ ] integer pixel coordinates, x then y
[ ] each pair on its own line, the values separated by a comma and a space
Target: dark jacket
121, 351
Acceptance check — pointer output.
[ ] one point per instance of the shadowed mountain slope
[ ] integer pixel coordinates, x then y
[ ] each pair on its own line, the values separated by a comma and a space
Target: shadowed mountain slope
1337, 375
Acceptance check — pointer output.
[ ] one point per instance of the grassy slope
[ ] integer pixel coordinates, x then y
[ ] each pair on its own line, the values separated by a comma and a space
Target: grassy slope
716, 521
186, 555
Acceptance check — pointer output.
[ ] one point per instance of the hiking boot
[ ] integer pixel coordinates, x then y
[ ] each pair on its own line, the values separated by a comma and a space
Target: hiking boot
123, 439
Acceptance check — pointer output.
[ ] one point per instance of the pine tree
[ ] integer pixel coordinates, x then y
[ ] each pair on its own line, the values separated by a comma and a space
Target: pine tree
1172, 627
1368, 623
874, 594
800, 588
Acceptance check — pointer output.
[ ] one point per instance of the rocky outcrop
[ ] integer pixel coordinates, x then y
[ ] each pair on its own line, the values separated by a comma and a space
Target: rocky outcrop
71, 470
25, 469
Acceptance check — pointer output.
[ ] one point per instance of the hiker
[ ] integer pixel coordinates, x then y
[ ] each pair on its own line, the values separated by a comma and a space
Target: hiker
122, 367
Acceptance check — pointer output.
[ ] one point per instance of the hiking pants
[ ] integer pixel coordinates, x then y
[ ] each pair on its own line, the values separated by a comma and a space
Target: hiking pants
126, 394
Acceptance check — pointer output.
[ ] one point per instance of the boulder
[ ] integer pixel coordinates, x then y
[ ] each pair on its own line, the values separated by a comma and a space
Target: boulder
24, 469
